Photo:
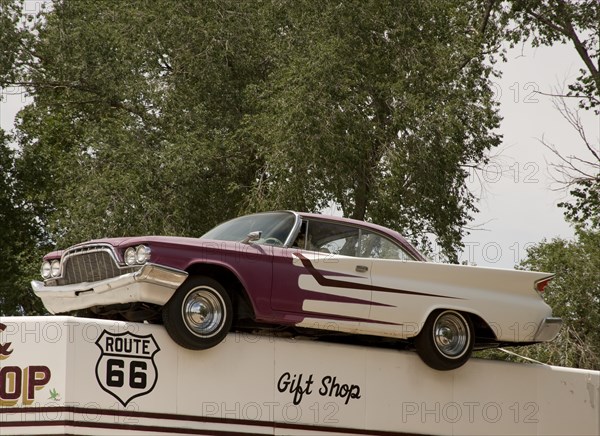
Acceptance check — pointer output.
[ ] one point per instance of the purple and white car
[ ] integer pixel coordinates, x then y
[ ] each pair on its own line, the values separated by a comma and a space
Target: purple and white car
312, 273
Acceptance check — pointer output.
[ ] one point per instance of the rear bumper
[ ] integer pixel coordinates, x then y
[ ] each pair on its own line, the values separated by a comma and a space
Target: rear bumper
150, 284
548, 329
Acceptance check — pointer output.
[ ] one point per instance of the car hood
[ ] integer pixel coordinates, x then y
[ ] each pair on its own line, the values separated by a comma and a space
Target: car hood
128, 241
134, 240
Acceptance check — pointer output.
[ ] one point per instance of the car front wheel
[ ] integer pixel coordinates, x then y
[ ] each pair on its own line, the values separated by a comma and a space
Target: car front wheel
446, 341
199, 315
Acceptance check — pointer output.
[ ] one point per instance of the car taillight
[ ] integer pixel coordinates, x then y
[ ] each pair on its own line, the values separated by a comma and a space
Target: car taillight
540, 285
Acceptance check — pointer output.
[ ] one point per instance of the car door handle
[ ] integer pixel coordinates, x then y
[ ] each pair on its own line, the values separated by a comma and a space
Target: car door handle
362, 268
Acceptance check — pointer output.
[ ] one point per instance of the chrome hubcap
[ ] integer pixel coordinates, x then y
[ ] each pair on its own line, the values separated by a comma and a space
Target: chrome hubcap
451, 334
203, 311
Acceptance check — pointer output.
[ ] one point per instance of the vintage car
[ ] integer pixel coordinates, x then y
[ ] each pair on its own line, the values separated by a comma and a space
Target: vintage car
314, 274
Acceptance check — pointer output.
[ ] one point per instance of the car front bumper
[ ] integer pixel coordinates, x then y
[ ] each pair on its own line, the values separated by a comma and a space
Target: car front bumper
150, 284
548, 329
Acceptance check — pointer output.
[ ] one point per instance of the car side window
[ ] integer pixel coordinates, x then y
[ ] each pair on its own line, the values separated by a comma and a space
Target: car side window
336, 238
375, 246
332, 238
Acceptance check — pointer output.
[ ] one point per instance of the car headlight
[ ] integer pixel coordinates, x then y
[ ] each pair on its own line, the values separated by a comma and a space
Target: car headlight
46, 270
137, 255
142, 254
130, 256
55, 268
50, 269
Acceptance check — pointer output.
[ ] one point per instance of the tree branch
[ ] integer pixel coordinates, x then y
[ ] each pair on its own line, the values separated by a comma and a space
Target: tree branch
584, 55
569, 32
548, 94
482, 27
112, 102
575, 121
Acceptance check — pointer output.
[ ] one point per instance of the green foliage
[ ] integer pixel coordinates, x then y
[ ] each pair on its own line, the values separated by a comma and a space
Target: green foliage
174, 116
129, 133
10, 13
376, 107
574, 295
19, 255
584, 211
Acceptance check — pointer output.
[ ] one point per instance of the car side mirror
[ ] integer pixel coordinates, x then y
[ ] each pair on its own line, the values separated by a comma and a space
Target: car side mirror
252, 236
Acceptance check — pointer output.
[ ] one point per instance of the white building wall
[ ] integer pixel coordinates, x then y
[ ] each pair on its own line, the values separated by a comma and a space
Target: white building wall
71, 375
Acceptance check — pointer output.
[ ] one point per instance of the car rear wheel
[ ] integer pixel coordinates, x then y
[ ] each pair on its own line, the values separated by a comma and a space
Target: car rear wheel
200, 313
446, 341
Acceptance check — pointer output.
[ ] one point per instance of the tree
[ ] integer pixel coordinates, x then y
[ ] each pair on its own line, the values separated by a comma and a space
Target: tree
578, 174
377, 107
18, 254
561, 21
10, 39
576, 23
574, 295
169, 117
136, 114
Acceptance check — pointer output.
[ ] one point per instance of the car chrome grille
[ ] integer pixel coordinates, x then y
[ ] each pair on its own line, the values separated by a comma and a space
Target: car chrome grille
90, 264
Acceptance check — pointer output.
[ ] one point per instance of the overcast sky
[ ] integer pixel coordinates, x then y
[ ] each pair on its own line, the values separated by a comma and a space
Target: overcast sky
517, 204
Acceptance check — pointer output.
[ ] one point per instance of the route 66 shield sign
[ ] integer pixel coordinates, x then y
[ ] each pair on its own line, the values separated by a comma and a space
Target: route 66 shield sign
126, 367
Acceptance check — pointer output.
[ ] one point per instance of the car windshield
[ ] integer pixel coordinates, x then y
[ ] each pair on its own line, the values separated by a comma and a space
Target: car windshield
275, 228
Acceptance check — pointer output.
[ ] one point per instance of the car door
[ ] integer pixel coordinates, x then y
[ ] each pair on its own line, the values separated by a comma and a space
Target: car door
323, 281
395, 307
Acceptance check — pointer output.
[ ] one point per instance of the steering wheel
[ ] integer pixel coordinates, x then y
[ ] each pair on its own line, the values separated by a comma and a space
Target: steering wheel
273, 241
